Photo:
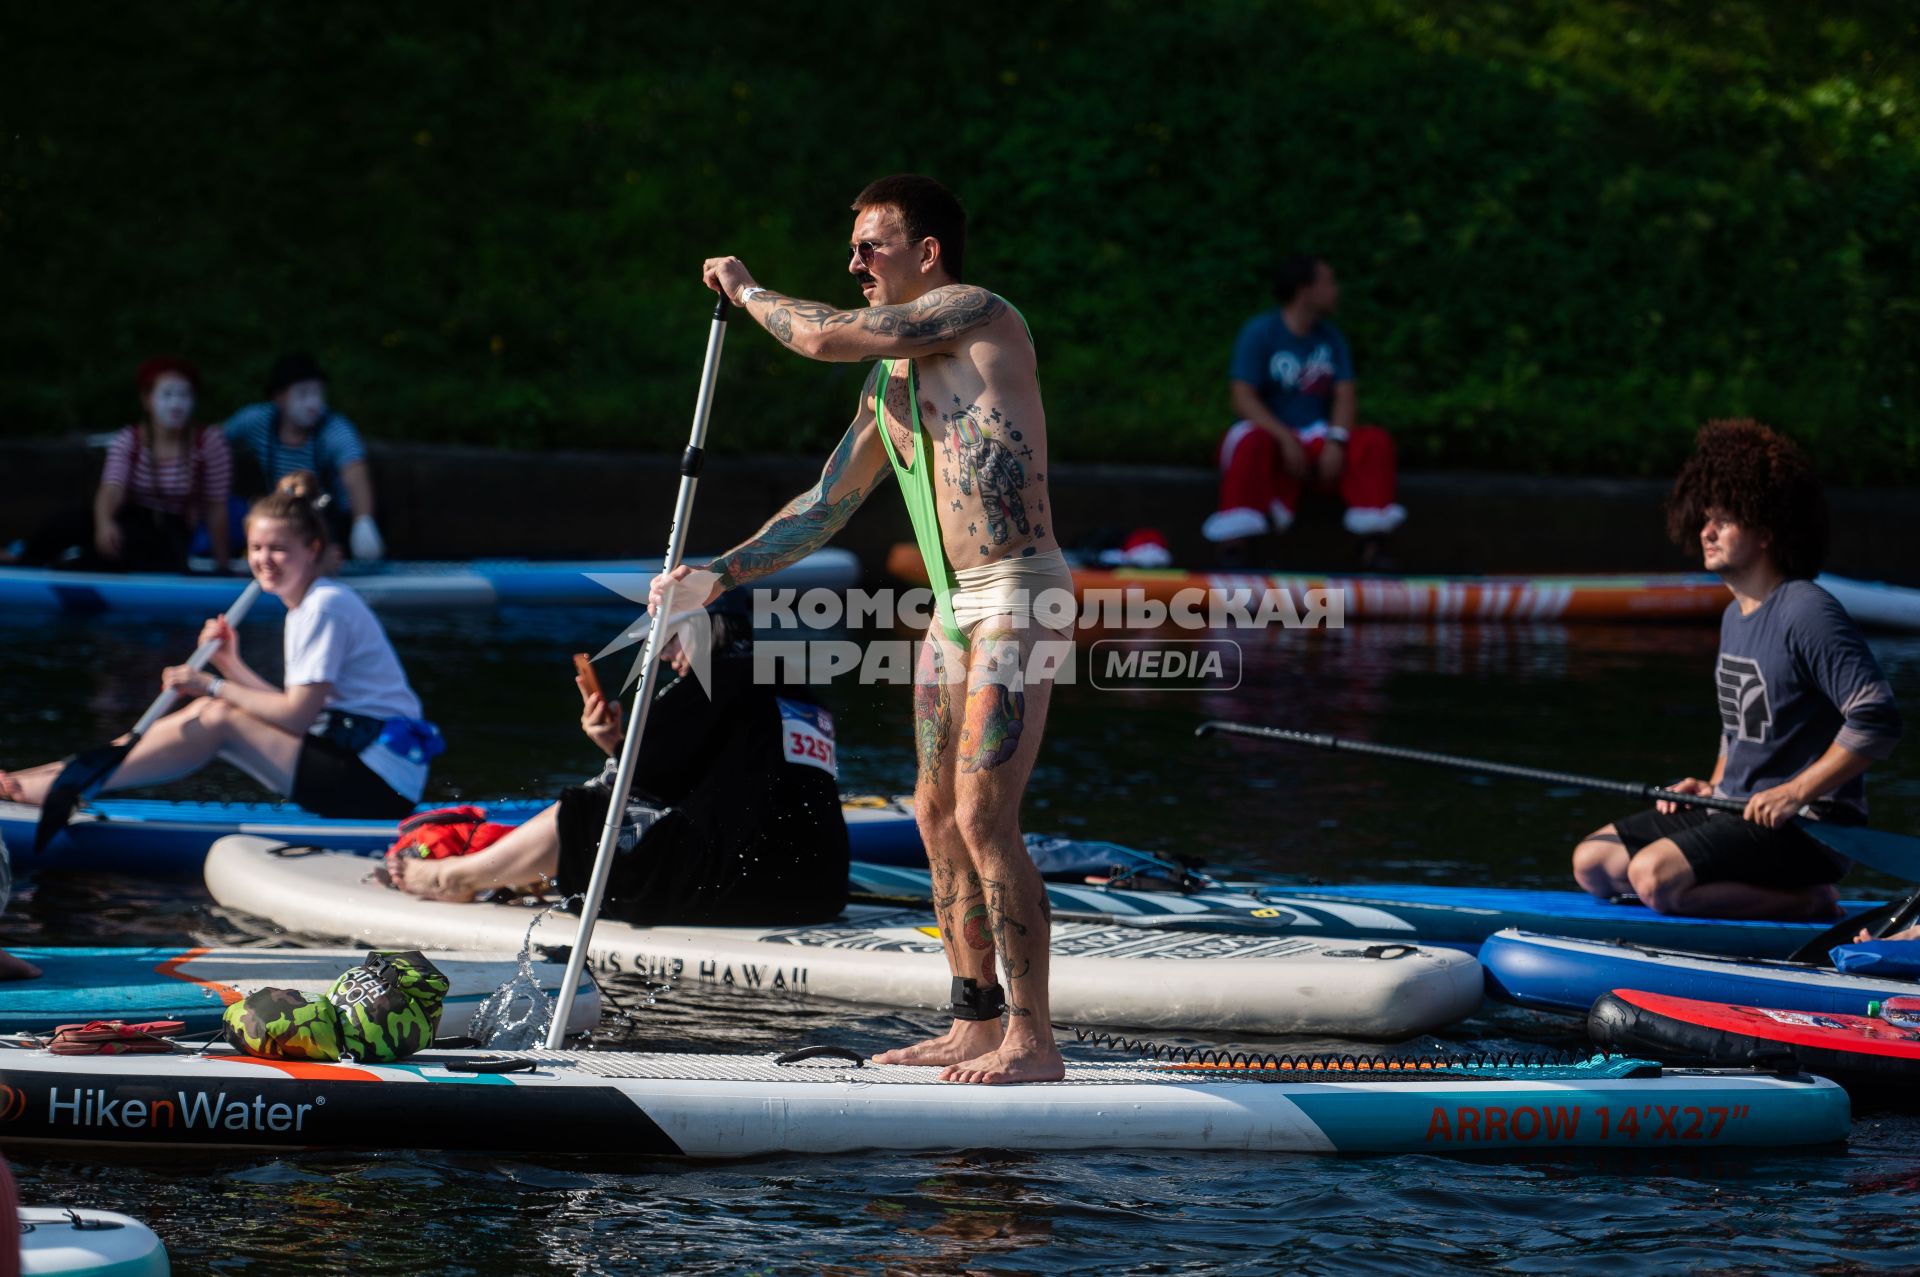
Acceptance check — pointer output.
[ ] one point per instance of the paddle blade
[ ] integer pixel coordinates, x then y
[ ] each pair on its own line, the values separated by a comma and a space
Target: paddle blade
81, 778
1896, 854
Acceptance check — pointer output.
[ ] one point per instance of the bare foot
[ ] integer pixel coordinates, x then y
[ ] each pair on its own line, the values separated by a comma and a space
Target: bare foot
12, 968
1027, 1060
29, 785
965, 1040
427, 879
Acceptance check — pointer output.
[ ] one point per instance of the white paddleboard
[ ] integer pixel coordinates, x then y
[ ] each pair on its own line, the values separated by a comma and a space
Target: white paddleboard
1102, 974
636, 1105
80, 1242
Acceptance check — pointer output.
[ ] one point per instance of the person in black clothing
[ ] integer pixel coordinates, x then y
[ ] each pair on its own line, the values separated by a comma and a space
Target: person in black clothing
734, 817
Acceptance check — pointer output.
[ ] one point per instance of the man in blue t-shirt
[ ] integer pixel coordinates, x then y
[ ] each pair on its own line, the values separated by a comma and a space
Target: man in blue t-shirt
295, 430
1804, 708
1292, 389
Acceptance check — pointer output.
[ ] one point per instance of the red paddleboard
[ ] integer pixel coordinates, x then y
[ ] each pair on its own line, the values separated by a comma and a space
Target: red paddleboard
1862, 1053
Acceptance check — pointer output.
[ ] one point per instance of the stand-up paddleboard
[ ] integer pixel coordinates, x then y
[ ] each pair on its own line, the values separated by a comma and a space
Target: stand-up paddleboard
390, 586
1466, 916
83, 1242
1564, 974
1229, 907
160, 838
1603, 596
1862, 1053
1101, 974
196, 985
1457, 917
717, 1106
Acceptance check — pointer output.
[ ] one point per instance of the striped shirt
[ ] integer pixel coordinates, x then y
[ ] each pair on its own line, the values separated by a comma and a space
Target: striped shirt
329, 447
179, 485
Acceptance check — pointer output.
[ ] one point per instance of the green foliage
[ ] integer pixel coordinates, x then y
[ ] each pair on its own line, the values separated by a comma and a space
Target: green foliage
1568, 230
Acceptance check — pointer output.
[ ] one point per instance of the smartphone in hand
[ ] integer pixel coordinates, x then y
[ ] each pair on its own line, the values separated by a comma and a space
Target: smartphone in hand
583, 666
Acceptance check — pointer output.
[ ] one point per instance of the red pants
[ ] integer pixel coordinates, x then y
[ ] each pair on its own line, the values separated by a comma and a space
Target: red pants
1256, 491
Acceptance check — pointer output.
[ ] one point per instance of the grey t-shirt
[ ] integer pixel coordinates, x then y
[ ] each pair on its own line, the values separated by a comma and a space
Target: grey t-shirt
1794, 677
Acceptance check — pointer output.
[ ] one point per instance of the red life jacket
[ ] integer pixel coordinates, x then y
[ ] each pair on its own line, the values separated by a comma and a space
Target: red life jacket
448, 831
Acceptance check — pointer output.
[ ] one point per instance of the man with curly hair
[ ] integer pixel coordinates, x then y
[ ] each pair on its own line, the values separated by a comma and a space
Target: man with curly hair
1804, 708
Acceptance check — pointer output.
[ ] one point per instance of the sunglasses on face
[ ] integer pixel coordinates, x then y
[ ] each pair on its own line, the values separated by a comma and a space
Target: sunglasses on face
866, 248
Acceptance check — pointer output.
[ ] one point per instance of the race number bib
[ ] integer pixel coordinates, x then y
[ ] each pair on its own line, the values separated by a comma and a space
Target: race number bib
806, 735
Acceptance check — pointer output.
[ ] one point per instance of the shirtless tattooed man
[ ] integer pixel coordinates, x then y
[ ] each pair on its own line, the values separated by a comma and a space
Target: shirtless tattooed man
953, 408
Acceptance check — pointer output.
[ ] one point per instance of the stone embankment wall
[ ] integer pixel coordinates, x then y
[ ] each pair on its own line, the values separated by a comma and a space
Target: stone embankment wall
454, 503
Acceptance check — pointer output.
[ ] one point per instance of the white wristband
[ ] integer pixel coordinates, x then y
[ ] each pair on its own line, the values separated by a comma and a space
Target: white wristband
213, 688
750, 292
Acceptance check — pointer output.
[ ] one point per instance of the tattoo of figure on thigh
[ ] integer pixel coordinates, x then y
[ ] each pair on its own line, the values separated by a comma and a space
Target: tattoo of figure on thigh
996, 705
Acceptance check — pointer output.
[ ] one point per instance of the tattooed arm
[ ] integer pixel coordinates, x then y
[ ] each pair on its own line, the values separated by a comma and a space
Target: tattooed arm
807, 522
929, 325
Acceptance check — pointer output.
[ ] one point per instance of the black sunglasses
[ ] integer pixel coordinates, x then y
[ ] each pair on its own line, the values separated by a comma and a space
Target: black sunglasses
866, 248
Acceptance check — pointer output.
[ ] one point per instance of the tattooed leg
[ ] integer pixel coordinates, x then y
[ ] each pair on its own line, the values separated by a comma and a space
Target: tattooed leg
959, 897
996, 701
932, 709
999, 741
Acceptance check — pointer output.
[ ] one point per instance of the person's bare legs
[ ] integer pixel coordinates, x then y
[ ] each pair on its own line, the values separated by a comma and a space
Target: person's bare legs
1600, 864
12, 968
185, 741
530, 851
1002, 726
29, 784
1664, 881
959, 898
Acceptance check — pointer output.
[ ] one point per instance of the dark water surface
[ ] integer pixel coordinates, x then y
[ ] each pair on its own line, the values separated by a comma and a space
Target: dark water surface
1635, 703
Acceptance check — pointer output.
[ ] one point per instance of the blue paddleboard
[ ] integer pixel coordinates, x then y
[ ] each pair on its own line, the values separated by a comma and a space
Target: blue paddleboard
388, 586
161, 839
196, 985
1560, 973
1465, 916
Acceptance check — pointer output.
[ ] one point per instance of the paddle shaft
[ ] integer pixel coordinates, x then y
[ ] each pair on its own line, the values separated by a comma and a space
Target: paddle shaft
1320, 741
198, 661
690, 463
1893, 853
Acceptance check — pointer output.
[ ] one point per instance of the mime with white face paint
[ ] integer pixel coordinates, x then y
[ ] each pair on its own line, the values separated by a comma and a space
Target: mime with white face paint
164, 478
295, 429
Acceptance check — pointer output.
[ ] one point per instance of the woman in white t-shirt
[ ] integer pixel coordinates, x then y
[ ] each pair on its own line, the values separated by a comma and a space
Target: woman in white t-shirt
344, 737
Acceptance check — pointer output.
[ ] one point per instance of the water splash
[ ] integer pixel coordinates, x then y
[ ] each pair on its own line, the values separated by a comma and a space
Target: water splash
517, 1015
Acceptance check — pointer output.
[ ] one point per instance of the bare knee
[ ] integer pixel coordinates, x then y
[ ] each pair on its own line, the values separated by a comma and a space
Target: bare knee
932, 813
215, 715
1660, 876
1600, 860
986, 827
